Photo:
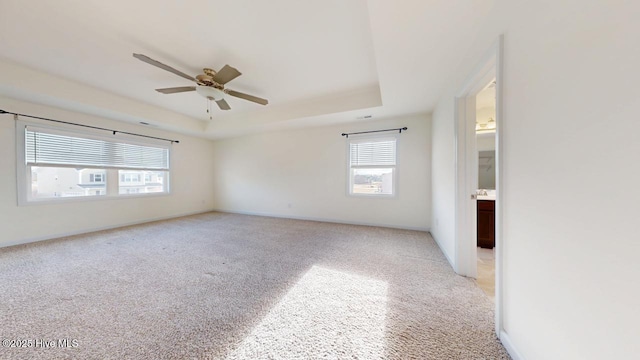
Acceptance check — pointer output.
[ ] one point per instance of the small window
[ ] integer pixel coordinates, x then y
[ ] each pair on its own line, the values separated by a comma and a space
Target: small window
96, 178
372, 166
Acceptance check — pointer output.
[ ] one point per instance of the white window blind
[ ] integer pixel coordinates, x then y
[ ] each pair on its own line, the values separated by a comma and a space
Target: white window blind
373, 153
47, 147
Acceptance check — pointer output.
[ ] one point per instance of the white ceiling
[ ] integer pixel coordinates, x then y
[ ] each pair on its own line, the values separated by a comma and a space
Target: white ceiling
317, 62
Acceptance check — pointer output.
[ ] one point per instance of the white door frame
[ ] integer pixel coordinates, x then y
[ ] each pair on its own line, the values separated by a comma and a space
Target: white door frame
467, 171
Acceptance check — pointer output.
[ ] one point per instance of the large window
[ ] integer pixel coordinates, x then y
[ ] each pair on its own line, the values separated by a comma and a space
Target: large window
372, 166
58, 163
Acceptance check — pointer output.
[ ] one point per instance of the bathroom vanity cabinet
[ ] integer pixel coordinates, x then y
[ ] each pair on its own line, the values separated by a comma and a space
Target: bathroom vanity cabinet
486, 220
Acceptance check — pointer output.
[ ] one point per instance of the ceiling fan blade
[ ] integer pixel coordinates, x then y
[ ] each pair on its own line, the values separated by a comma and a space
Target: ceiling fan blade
162, 66
223, 105
226, 74
240, 95
174, 90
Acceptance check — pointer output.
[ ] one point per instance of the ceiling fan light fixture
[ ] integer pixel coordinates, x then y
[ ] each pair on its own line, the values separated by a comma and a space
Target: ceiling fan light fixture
210, 92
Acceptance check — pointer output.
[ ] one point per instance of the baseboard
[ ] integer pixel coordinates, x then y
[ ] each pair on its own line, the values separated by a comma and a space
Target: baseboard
329, 220
86, 231
506, 341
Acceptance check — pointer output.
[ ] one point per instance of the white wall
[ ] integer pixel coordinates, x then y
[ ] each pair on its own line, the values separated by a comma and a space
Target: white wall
443, 178
191, 191
571, 171
303, 174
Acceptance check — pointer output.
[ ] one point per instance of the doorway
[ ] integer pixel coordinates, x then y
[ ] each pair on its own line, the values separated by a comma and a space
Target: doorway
485, 128
487, 73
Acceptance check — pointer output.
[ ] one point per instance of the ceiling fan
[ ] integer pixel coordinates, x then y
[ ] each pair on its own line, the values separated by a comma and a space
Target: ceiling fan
210, 84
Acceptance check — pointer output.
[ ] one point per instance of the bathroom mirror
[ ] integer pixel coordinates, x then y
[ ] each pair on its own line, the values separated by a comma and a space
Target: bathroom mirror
487, 170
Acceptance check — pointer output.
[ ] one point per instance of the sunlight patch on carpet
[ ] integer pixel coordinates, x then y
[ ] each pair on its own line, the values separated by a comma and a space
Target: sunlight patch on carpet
327, 314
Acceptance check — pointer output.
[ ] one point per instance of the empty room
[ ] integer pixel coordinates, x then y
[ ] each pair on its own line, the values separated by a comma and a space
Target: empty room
362, 179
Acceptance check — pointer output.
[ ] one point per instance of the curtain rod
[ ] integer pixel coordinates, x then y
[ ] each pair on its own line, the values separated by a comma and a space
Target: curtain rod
89, 126
399, 130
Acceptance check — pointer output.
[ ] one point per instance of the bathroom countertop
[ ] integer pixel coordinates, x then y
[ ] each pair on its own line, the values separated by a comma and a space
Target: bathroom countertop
486, 197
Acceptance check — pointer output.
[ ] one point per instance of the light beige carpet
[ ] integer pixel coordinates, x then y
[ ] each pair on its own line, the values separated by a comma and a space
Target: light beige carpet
224, 286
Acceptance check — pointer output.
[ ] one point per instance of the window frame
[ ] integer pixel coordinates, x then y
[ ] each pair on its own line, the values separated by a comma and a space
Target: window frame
394, 179
110, 178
